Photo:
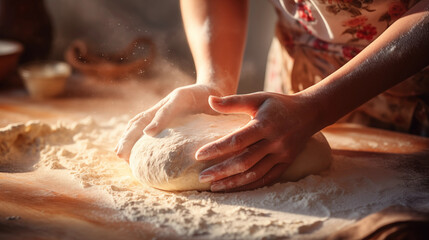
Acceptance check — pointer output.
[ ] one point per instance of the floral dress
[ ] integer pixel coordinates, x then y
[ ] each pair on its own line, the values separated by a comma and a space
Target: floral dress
315, 37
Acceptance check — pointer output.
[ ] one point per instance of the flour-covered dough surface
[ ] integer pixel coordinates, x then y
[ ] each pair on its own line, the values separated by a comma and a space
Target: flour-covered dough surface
167, 161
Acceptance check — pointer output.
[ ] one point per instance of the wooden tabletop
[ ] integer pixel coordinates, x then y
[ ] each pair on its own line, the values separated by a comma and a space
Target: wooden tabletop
31, 206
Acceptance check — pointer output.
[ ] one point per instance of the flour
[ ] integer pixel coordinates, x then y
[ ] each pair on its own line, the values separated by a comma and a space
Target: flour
312, 207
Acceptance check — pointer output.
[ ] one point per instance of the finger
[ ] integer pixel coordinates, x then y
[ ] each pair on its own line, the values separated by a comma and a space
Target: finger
162, 118
127, 141
149, 113
271, 177
132, 134
237, 164
233, 142
135, 119
256, 172
247, 103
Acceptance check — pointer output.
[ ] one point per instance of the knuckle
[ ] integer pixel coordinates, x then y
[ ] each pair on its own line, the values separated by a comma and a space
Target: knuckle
264, 126
162, 113
232, 167
237, 141
247, 165
138, 119
131, 127
243, 163
229, 184
250, 176
178, 92
140, 115
277, 146
271, 100
130, 122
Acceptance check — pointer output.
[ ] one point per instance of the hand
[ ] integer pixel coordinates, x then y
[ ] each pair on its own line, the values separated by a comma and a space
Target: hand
278, 131
184, 100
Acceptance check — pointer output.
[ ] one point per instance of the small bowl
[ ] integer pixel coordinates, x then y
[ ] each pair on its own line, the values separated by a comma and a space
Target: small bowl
10, 52
45, 79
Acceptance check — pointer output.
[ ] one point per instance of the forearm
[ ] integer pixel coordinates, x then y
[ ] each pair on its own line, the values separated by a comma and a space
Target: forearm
402, 50
216, 32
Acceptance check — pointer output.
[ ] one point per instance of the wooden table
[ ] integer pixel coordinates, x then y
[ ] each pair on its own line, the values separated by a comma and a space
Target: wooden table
34, 207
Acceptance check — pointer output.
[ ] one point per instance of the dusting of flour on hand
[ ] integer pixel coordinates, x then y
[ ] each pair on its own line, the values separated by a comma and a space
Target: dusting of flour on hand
351, 189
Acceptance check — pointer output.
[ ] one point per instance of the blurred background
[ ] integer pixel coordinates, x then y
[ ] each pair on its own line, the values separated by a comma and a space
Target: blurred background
46, 28
113, 24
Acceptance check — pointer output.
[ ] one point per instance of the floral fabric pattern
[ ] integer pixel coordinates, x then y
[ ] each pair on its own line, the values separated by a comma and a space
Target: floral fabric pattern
319, 36
304, 11
357, 25
353, 7
350, 52
358, 28
347, 21
395, 11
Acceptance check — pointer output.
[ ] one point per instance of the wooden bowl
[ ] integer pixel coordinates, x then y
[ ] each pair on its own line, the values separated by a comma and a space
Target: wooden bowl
134, 59
10, 51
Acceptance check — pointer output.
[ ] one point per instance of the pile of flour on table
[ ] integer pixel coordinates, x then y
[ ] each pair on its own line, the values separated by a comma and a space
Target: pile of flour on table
313, 206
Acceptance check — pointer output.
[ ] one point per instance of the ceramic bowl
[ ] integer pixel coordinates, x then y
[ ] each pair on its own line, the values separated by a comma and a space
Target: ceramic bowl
45, 79
10, 52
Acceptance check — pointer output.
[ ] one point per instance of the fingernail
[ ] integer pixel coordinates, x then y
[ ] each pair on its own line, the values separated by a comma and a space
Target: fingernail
217, 100
201, 155
204, 178
149, 129
118, 149
215, 187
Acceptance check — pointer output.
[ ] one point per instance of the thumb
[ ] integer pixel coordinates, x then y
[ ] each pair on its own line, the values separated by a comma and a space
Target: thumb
246, 103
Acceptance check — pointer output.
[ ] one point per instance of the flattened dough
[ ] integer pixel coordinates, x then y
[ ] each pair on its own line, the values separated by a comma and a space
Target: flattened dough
167, 160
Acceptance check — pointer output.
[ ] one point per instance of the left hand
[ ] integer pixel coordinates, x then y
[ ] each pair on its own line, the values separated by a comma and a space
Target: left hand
266, 145
182, 101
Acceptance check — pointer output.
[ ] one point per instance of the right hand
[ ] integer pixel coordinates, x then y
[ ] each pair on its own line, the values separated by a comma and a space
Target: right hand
263, 148
182, 101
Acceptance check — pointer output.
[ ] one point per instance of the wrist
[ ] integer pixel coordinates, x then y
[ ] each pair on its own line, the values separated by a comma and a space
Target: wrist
220, 84
316, 108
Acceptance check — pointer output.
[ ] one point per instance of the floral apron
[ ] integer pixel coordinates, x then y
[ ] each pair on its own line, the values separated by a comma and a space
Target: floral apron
316, 37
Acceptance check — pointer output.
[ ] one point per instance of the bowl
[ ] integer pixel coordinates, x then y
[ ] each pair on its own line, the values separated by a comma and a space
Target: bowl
45, 79
136, 58
10, 52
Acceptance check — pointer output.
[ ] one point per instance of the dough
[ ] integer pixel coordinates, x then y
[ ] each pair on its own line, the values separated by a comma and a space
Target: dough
167, 160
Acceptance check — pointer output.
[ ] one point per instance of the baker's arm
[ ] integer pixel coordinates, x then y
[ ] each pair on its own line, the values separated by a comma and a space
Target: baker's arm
282, 124
399, 52
216, 31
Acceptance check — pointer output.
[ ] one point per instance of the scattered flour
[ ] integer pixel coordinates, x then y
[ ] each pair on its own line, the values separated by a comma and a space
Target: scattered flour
350, 190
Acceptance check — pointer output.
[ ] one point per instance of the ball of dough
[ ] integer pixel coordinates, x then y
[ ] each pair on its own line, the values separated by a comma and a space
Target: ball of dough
167, 161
